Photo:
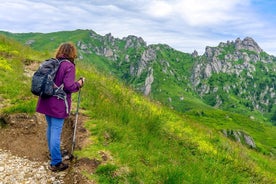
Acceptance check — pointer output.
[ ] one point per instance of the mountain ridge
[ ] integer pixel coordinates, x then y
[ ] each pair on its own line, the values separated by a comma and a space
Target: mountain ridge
168, 75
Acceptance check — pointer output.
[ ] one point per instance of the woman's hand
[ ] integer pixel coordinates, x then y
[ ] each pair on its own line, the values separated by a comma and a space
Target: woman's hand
81, 81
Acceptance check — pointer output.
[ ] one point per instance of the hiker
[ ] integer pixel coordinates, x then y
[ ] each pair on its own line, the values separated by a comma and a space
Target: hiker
54, 108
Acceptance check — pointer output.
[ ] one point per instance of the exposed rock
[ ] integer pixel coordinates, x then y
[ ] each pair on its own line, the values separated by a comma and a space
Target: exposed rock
132, 70
134, 42
84, 47
218, 101
149, 80
247, 44
216, 64
127, 58
195, 53
241, 137
249, 141
108, 52
109, 38
29, 42
147, 56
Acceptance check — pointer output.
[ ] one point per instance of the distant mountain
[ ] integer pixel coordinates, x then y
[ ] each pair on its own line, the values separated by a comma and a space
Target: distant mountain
236, 76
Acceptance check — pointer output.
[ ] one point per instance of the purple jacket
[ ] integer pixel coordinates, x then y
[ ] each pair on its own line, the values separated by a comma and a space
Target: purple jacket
53, 106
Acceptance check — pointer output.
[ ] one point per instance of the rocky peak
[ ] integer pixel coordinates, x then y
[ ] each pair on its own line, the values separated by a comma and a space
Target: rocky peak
211, 52
109, 37
133, 41
195, 53
237, 59
214, 54
247, 44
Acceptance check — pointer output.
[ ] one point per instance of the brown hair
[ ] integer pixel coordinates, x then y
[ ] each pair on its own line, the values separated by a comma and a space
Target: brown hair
67, 50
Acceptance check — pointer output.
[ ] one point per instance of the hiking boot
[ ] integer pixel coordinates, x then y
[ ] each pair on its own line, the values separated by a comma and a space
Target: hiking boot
59, 167
64, 154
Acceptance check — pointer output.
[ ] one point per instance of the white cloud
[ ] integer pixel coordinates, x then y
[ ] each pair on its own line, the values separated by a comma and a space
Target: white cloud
183, 24
207, 11
159, 9
198, 12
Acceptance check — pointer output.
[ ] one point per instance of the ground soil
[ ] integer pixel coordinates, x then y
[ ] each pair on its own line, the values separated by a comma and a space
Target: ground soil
25, 136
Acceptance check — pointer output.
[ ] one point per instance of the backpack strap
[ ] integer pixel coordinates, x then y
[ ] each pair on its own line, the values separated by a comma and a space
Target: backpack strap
59, 92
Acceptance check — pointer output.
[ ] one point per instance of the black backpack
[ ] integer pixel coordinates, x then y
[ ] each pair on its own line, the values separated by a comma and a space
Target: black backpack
43, 81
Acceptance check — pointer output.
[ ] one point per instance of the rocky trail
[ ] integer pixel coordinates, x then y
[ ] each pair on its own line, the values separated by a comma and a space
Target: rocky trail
14, 169
23, 151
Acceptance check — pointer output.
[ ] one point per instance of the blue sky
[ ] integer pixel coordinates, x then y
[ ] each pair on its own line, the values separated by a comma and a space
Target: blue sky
185, 25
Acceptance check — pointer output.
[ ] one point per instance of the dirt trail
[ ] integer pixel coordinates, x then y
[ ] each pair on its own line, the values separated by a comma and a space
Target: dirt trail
24, 136
23, 142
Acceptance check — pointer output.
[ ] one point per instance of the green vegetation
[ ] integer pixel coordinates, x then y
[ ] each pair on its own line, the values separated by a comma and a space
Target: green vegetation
144, 141
152, 144
15, 84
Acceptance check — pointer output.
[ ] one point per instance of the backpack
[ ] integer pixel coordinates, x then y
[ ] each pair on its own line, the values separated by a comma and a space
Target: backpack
43, 81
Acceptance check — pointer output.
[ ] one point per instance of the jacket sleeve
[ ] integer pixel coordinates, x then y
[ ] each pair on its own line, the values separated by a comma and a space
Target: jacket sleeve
70, 85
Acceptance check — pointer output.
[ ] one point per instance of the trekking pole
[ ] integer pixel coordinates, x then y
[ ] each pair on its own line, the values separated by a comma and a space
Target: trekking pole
76, 122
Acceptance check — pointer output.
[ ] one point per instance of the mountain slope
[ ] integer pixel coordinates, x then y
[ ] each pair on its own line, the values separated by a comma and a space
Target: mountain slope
136, 140
236, 76
155, 70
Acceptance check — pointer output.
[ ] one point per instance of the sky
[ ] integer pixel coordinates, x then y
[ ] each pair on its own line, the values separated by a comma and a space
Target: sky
185, 25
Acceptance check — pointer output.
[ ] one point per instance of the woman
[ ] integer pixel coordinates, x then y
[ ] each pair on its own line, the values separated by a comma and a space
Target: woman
54, 108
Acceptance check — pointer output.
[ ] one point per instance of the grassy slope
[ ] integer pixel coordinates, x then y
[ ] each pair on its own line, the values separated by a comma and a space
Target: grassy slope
153, 144
149, 143
15, 85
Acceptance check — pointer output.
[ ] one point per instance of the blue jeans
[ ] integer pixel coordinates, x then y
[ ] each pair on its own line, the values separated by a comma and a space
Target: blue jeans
54, 130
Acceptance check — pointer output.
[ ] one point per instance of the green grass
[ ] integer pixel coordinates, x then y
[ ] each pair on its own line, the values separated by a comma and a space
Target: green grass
15, 85
262, 132
150, 143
